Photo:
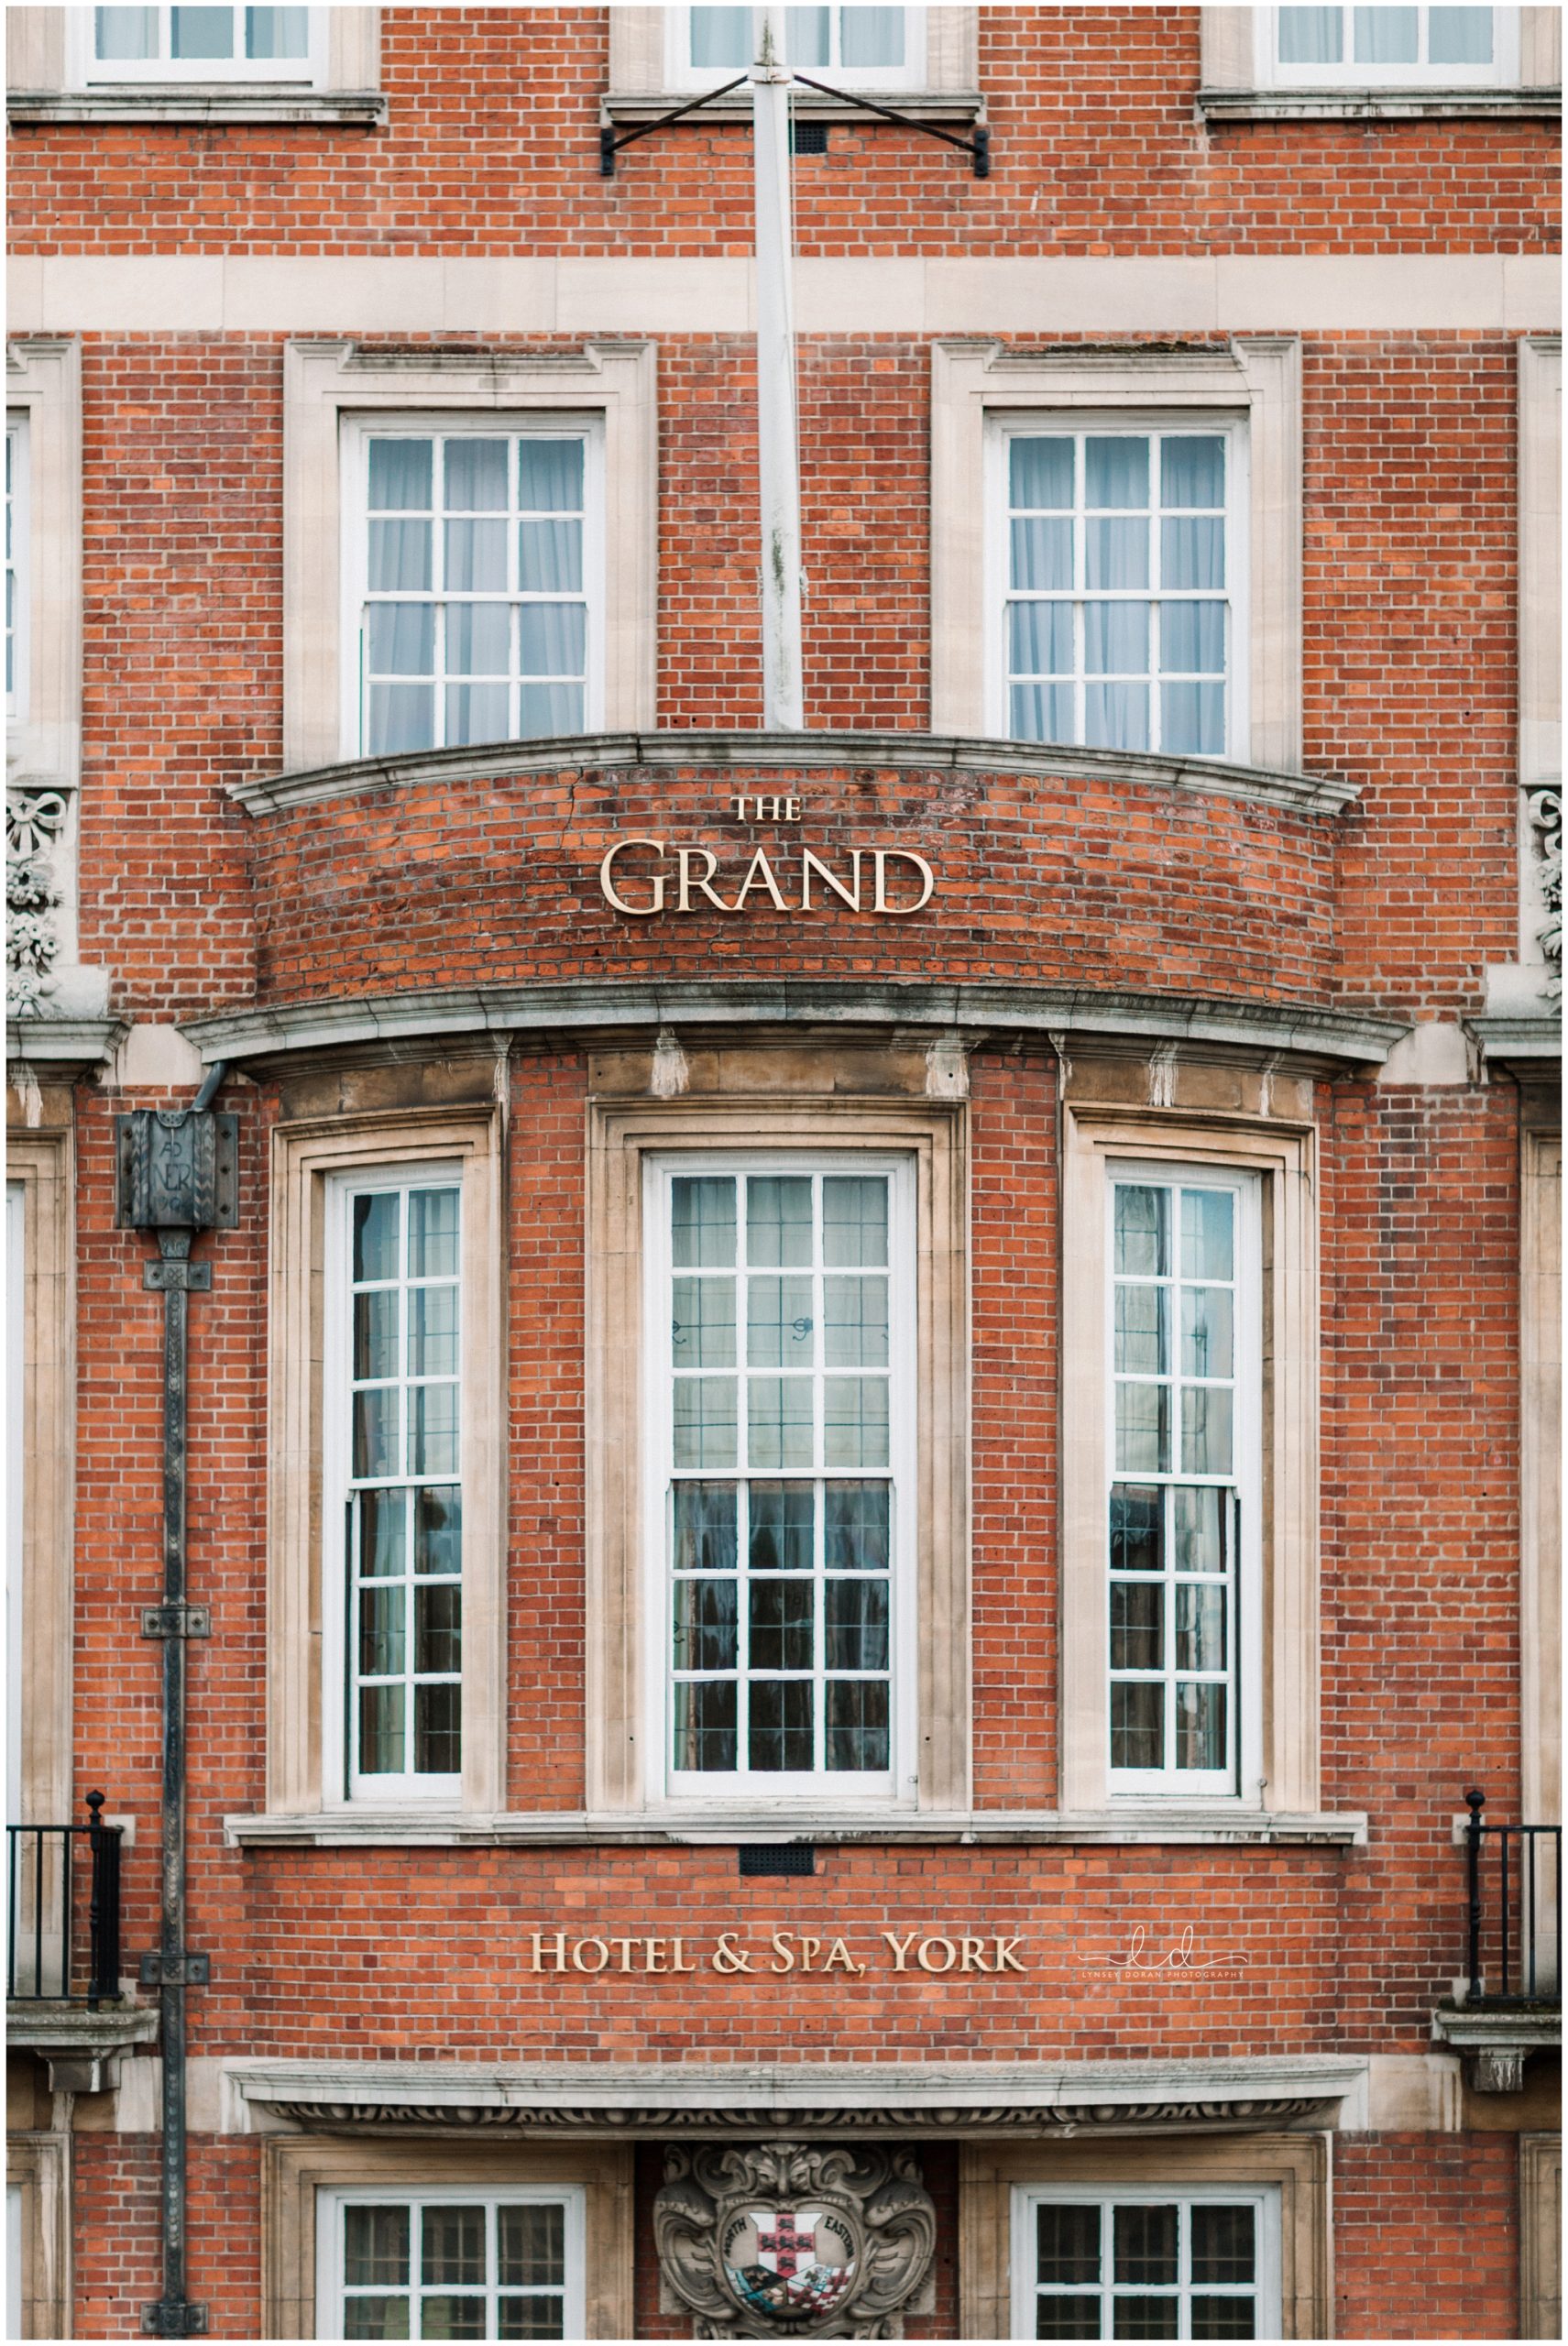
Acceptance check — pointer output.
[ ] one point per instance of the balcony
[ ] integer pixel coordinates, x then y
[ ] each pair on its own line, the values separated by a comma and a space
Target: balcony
62, 1954
1507, 2003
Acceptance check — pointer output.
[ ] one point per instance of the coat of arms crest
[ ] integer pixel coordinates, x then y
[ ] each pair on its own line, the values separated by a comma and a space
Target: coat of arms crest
800, 2239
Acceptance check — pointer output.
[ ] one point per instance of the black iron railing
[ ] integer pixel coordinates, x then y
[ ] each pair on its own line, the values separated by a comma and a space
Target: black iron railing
1515, 1910
63, 1944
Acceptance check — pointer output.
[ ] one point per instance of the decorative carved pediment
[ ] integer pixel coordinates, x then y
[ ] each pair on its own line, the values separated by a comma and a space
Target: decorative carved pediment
790, 2239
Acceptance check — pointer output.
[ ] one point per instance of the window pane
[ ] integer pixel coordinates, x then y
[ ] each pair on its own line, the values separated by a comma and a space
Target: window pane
702, 1223
705, 1526
854, 1422
532, 2247
432, 1430
438, 1629
1137, 1729
1145, 2240
201, 32
477, 713
402, 717
381, 1631
1116, 716
1067, 2317
474, 476
1192, 637
447, 2317
1193, 720
1117, 552
1116, 638
854, 1221
1041, 712
1199, 1531
1200, 1627
1145, 2318
1137, 1530
857, 1724
376, 1334
1040, 474
399, 556
704, 1724
783, 1527
1200, 1726
1042, 553
1386, 36
453, 2247
375, 1235
779, 1325
1205, 1430
854, 1323
783, 1623
706, 1635
475, 557
1137, 1625
807, 34
1207, 1217
531, 2318
1040, 639
277, 32
871, 36
1206, 1334
1143, 1428
1222, 2243
401, 472
126, 34
778, 1219
1192, 551
1192, 470
1457, 37
856, 1531
1115, 473
400, 639
1311, 36
375, 1434
1142, 1231
549, 558
702, 1328
375, 2248
438, 1749
1068, 2245
705, 1421
856, 1623
381, 1730
433, 1331
779, 1421
383, 1533
375, 2317
1223, 2318
438, 1530
549, 709
721, 36
781, 1728
1142, 1346
478, 639
549, 472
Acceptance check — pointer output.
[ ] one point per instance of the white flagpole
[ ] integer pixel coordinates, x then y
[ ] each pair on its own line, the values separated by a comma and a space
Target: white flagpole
777, 427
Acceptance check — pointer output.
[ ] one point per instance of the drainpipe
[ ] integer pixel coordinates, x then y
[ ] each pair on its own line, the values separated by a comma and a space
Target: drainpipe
176, 1177
778, 436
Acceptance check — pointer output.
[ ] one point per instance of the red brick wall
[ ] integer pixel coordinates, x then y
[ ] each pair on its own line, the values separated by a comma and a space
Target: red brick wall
1426, 2236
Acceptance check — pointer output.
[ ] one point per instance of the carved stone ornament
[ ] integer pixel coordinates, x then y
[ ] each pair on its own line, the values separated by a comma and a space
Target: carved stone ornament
659, 2120
795, 2240
1546, 825
35, 820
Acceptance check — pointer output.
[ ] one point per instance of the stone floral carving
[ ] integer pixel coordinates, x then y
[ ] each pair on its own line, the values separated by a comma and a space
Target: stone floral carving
35, 821
791, 2239
712, 2120
1546, 823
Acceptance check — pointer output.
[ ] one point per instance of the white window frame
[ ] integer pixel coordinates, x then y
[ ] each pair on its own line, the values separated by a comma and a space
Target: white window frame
87, 70
682, 74
1501, 72
1264, 2199
332, 2204
1244, 1640
1001, 429
343, 1784
19, 561
896, 1787
357, 431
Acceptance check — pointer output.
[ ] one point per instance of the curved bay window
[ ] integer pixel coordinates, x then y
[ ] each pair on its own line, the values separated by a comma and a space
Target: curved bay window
782, 1411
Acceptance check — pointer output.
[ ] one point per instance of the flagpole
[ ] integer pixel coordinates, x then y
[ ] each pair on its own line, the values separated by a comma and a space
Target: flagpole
778, 436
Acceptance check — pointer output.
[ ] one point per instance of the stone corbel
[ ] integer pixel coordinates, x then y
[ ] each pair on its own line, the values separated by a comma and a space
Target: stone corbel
1495, 2045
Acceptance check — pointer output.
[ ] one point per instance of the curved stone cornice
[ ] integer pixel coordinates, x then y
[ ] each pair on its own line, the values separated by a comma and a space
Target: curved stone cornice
753, 752
1300, 1031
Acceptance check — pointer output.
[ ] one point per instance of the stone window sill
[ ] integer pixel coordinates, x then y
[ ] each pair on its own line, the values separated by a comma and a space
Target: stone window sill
1142, 1827
1374, 105
806, 106
200, 102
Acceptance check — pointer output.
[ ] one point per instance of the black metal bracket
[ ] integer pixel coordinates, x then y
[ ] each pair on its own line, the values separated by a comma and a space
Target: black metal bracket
610, 146
176, 1620
978, 147
174, 2318
163, 1276
174, 1972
